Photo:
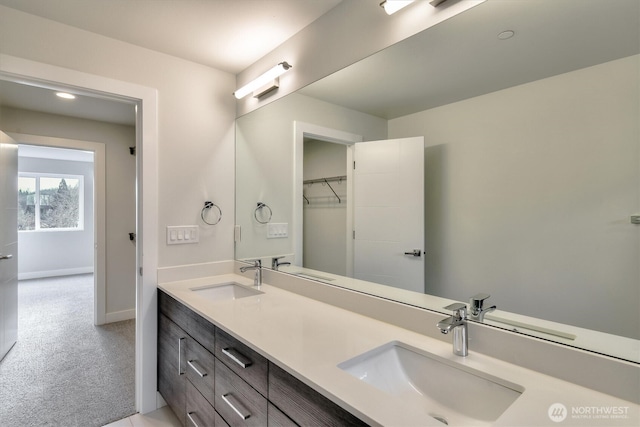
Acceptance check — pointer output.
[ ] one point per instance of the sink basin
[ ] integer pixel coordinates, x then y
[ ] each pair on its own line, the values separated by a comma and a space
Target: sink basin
449, 392
226, 291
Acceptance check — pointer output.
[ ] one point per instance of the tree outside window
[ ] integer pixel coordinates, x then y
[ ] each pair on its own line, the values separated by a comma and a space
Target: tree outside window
49, 202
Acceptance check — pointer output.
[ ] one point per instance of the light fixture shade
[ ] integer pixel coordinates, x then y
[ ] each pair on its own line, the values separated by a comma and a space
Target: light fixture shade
261, 81
392, 6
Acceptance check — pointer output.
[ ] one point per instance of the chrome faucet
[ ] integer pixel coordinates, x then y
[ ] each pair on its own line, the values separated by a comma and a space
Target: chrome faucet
458, 324
257, 266
476, 311
275, 263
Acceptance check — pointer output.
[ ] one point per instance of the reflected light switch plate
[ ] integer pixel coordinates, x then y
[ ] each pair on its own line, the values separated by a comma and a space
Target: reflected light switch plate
277, 230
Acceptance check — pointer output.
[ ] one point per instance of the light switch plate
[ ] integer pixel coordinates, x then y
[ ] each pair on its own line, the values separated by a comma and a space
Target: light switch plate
182, 234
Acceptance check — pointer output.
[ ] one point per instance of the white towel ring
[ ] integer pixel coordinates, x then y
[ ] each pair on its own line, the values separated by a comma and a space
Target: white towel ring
208, 205
259, 208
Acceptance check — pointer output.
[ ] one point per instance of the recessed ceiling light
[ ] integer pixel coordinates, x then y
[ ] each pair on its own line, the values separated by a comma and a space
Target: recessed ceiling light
507, 34
65, 95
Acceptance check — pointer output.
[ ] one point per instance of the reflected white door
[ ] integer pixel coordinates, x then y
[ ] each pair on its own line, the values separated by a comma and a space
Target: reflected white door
388, 214
8, 243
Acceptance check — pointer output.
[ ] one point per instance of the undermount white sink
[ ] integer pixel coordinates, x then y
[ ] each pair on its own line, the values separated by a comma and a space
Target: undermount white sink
449, 392
225, 291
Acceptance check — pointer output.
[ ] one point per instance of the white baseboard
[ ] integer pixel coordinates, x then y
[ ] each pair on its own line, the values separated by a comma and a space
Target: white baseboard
160, 402
118, 316
54, 273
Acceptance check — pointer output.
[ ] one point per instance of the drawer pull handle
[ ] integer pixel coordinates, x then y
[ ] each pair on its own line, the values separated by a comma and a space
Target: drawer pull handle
192, 419
194, 365
180, 356
227, 398
237, 357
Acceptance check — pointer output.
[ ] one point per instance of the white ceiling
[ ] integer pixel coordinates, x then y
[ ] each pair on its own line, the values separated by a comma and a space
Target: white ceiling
228, 35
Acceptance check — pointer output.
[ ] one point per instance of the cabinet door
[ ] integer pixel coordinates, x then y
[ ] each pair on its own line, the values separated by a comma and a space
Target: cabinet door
303, 404
171, 365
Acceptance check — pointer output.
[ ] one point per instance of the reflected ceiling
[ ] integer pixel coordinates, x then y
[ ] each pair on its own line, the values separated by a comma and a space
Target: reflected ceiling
453, 63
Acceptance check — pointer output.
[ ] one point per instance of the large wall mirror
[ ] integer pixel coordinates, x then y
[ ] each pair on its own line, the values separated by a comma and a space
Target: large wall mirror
525, 184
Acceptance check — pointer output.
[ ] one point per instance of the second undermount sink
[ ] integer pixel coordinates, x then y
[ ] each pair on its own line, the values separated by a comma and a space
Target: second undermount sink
225, 291
449, 392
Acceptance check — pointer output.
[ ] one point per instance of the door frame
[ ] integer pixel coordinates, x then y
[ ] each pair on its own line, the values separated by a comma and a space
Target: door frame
146, 99
302, 130
99, 210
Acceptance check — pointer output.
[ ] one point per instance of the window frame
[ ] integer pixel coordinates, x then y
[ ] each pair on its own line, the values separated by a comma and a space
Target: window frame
65, 176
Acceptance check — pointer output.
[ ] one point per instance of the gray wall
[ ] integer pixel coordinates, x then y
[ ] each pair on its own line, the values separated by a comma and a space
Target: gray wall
58, 253
528, 196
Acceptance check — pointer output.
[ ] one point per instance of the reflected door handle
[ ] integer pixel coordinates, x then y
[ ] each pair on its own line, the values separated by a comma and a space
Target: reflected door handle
6, 256
415, 252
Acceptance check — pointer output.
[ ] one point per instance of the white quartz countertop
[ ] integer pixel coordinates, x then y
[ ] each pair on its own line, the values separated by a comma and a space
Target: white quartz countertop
309, 339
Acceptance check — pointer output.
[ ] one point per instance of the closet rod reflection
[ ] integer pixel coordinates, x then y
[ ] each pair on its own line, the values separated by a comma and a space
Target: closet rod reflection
331, 179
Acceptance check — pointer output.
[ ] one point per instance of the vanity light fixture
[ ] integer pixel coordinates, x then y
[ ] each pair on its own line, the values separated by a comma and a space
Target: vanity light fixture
392, 6
263, 84
65, 95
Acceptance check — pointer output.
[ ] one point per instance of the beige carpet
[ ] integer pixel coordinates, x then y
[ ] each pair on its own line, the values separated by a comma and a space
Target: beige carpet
64, 371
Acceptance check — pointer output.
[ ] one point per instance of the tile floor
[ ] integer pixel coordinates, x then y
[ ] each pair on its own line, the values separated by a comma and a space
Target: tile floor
162, 417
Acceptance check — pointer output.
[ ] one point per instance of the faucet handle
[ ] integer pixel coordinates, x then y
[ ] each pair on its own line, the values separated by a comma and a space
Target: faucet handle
477, 301
459, 310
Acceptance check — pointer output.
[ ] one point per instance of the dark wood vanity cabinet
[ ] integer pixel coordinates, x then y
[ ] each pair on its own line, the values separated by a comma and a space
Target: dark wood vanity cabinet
211, 379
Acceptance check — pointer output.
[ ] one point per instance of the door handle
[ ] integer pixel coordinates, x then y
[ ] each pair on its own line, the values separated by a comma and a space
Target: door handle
415, 252
6, 256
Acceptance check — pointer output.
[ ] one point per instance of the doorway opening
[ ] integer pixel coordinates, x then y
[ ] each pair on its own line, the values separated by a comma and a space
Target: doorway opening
85, 367
325, 206
145, 101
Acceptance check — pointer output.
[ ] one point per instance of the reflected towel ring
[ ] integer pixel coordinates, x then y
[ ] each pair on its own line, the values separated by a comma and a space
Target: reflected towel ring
208, 205
259, 208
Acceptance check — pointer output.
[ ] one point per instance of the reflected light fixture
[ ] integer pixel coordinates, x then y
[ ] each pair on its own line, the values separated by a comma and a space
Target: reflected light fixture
392, 6
264, 83
65, 95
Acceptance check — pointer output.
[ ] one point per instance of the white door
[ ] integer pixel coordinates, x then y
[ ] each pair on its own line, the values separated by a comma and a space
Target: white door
388, 198
8, 243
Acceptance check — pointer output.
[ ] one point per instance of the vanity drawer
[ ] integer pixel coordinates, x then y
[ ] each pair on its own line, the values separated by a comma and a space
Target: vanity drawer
174, 310
195, 325
199, 412
303, 404
277, 418
237, 402
247, 363
220, 422
202, 330
200, 369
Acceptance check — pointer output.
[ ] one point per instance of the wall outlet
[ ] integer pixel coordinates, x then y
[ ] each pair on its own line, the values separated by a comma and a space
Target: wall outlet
277, 230
182, 234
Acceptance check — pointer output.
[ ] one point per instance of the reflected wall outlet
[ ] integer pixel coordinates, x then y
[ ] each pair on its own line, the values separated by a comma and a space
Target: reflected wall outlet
277, 230
181, 234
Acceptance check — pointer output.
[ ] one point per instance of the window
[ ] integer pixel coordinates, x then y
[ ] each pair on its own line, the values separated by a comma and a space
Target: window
50, 202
